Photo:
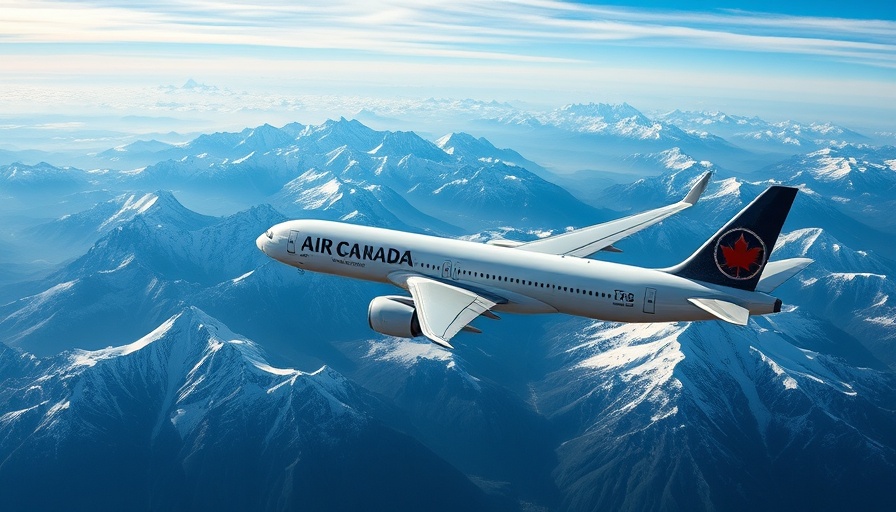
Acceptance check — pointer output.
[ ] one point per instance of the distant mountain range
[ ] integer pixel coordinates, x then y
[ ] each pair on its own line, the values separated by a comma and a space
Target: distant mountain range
126, 385
571, 138
755, 133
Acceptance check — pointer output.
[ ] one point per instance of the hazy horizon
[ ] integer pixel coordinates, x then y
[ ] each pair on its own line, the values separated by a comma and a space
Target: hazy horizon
108, 65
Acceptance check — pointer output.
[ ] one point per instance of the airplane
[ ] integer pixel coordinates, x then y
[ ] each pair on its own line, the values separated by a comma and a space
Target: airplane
452, 282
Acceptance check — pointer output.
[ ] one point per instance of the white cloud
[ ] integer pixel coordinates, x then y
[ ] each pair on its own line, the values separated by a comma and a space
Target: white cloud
463, 29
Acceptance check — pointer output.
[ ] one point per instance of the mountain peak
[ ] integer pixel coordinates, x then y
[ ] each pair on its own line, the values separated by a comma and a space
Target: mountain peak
293, 129
41, 175
459, 141
400, 144
185, 335
163, 208
828, 253
607, 111
266, 137
334, 134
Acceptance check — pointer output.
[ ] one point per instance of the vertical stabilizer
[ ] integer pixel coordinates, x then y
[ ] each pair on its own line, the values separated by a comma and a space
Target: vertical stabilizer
736, 255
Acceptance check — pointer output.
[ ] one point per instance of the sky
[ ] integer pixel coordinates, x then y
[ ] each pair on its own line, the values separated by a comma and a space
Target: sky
808, 61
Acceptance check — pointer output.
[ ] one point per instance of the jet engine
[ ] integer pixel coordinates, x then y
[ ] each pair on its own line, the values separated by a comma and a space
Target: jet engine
394, 315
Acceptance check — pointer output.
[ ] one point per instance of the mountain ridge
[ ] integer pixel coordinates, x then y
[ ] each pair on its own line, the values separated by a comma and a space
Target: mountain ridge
536, 413
216, 399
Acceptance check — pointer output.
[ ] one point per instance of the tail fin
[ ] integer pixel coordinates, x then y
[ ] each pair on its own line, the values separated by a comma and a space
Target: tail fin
736, 255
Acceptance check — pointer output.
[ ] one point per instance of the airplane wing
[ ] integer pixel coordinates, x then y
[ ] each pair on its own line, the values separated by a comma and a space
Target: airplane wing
443, 309
589, 240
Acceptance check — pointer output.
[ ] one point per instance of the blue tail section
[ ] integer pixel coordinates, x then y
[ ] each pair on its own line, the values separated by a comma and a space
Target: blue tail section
736, 255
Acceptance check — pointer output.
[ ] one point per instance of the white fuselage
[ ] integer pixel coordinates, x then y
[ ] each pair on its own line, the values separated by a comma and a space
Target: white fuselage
529, 282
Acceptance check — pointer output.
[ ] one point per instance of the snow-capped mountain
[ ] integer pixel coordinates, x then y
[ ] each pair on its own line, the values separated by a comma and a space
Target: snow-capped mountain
792, 412
43, 177
294, 315
467, 146
620, 120
234, 146
726, 195
601, 136
862, 303
300, 168
73, 234
706, 416
816, 228
453, 401
861, 179
193, 413
323, 195
851, 289
135, 276
176, 242
42, 190
673, 169
335, 134
754, 133
829, 253
139, 153
463, 189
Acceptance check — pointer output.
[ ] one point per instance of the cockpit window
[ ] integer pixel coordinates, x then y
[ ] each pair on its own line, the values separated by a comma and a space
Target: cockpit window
269, 234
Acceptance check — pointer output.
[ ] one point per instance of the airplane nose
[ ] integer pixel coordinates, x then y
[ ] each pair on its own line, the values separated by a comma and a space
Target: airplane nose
260, 242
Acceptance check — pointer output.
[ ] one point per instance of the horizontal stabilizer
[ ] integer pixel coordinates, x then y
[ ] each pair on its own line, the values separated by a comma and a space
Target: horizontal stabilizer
723, 310
776, 272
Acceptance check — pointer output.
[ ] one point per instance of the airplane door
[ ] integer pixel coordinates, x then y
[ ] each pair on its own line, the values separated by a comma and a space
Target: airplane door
456, 271
650, 301
446, 270
291, 242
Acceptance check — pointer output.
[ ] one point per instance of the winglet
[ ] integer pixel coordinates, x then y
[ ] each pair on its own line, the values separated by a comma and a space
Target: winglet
697, 190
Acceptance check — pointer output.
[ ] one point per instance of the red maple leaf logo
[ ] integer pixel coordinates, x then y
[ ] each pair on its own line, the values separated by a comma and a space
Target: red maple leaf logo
741, 256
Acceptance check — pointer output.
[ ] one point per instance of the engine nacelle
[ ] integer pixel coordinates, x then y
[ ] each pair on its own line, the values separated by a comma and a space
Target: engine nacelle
394, 315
